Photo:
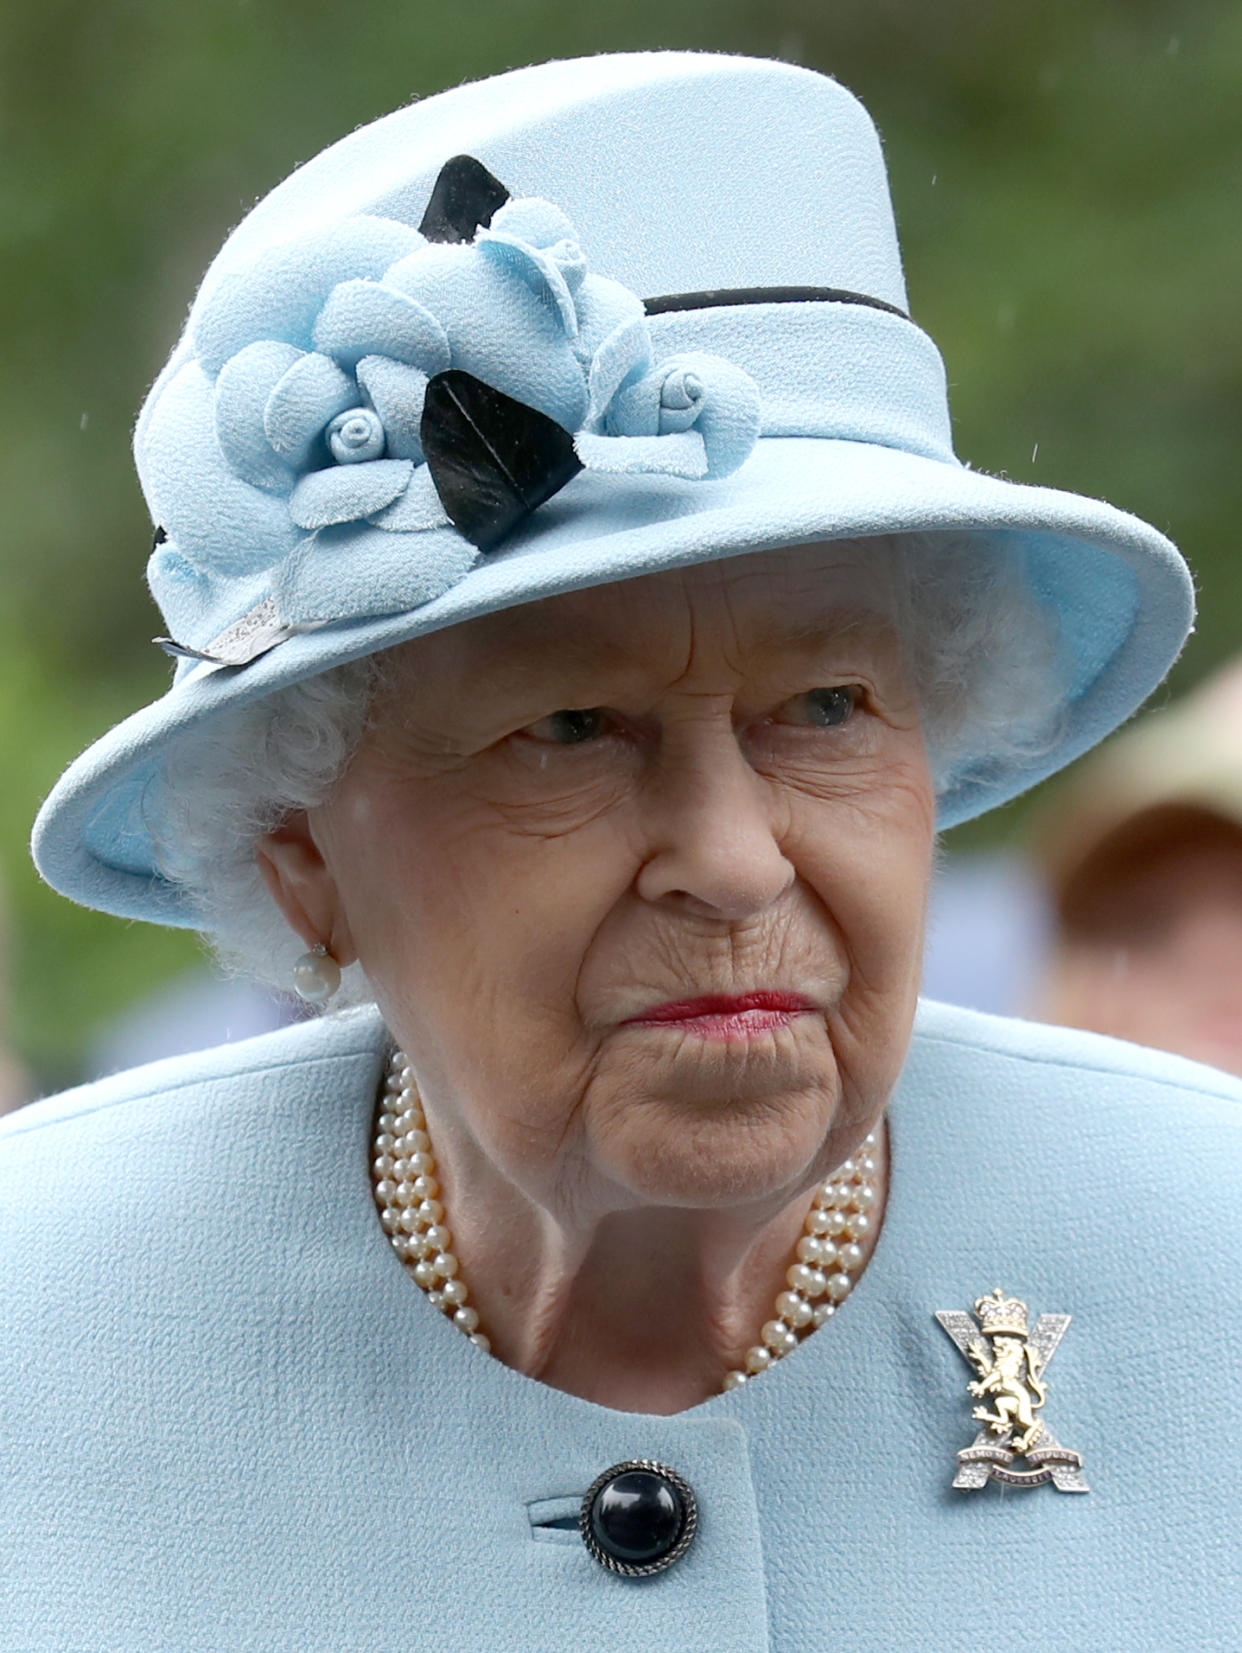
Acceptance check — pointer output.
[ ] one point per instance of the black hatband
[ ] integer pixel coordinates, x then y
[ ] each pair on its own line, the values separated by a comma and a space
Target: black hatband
718, 297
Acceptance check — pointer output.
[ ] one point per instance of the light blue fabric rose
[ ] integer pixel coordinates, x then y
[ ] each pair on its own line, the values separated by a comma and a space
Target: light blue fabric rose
318, 359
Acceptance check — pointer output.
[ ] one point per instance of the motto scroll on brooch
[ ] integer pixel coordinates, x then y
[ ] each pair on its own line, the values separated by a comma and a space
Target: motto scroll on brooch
1009, 1364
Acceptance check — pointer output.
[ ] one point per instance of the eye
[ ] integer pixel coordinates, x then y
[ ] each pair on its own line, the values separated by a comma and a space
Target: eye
569, 727
820, 708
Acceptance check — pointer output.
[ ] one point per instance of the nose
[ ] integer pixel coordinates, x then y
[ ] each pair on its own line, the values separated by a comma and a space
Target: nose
712, 834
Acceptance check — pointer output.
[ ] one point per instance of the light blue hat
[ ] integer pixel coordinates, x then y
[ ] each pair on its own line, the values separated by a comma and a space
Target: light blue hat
575, 324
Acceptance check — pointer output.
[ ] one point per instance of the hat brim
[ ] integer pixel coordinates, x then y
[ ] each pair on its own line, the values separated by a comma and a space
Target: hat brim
1121, 592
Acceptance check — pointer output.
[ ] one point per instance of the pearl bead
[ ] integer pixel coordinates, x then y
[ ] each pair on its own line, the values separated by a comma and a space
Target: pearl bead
823, 1311
817, 1222
420, 1164
816, 1252
778, 1337
436, 1298
426, 1187
407, 1221
810, 1282
414, 1140
316, 977
466, 1319
439, 1236
405, 1190
793, 1309
733, 1380
385, 1122
839, 1286
444, 1263
858, 1225
867, 1165
454, 1292
381, 1165
864, 1197
391, 1219
425, 1273
840, 1222
430, 1211
385, 1142
480, 1342
758, 1359
850, 1257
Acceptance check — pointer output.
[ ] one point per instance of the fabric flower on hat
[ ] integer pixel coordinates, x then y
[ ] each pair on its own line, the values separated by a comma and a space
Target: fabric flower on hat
335, 427
695, 416
313, 366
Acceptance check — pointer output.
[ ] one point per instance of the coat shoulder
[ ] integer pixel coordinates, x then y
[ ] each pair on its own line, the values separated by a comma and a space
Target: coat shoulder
223, 1067
97, 1142
1063, 1058
1076, 1110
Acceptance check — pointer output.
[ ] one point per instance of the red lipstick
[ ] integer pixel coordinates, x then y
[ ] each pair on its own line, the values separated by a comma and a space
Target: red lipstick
731, 1016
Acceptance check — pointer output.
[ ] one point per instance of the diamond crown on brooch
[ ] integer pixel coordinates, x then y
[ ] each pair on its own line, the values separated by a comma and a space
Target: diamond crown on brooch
1001, 1316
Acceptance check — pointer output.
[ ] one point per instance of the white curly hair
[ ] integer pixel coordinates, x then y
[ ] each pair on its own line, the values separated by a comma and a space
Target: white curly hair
983, 651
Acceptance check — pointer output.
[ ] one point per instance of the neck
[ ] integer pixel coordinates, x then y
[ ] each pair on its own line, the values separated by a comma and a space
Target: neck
642, 1310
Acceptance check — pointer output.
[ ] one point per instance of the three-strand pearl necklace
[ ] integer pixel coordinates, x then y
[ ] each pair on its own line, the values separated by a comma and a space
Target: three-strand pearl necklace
828, 1257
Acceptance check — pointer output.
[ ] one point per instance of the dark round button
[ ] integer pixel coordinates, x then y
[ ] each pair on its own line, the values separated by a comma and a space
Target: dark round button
638, 1517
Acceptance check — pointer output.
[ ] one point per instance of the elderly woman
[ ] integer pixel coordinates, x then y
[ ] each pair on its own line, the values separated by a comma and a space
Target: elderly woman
582, 625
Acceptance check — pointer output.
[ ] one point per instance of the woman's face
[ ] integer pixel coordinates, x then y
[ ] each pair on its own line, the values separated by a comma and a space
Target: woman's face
572, 823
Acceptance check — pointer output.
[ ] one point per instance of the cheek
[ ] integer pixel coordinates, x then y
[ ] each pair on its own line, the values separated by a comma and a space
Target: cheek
867, 857
456, 914
868, 863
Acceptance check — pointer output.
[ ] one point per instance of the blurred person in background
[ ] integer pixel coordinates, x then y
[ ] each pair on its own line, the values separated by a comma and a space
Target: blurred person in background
1140, 850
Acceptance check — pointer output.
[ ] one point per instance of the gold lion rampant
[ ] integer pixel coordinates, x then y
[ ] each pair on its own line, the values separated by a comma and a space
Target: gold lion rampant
1010, 1371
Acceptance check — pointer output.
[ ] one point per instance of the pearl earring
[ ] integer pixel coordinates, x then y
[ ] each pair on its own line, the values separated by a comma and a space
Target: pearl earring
316, 975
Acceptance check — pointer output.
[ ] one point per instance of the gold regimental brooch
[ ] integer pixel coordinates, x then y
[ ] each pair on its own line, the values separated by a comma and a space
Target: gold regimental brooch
1009, 1362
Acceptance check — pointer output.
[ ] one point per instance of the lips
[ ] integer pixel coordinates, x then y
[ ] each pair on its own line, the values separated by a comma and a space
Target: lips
725, 1004
726, 1015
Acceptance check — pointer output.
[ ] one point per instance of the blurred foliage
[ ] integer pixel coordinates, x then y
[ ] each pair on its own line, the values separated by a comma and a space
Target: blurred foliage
1067, 179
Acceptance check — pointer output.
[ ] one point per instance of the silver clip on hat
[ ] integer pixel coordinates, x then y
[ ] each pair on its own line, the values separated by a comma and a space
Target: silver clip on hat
572, 325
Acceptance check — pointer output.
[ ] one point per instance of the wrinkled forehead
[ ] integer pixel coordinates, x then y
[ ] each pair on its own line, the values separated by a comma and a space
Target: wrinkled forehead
742, 608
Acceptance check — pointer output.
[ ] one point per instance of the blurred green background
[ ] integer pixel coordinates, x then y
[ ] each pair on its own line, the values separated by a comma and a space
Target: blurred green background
1068, 181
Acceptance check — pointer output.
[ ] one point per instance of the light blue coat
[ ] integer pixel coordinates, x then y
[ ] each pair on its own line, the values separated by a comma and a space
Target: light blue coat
230, 1421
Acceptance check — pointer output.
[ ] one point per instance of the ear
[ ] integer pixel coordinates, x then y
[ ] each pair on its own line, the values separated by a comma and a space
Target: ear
302, 886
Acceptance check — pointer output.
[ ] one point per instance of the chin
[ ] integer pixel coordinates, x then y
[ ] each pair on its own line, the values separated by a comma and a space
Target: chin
675, 1152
